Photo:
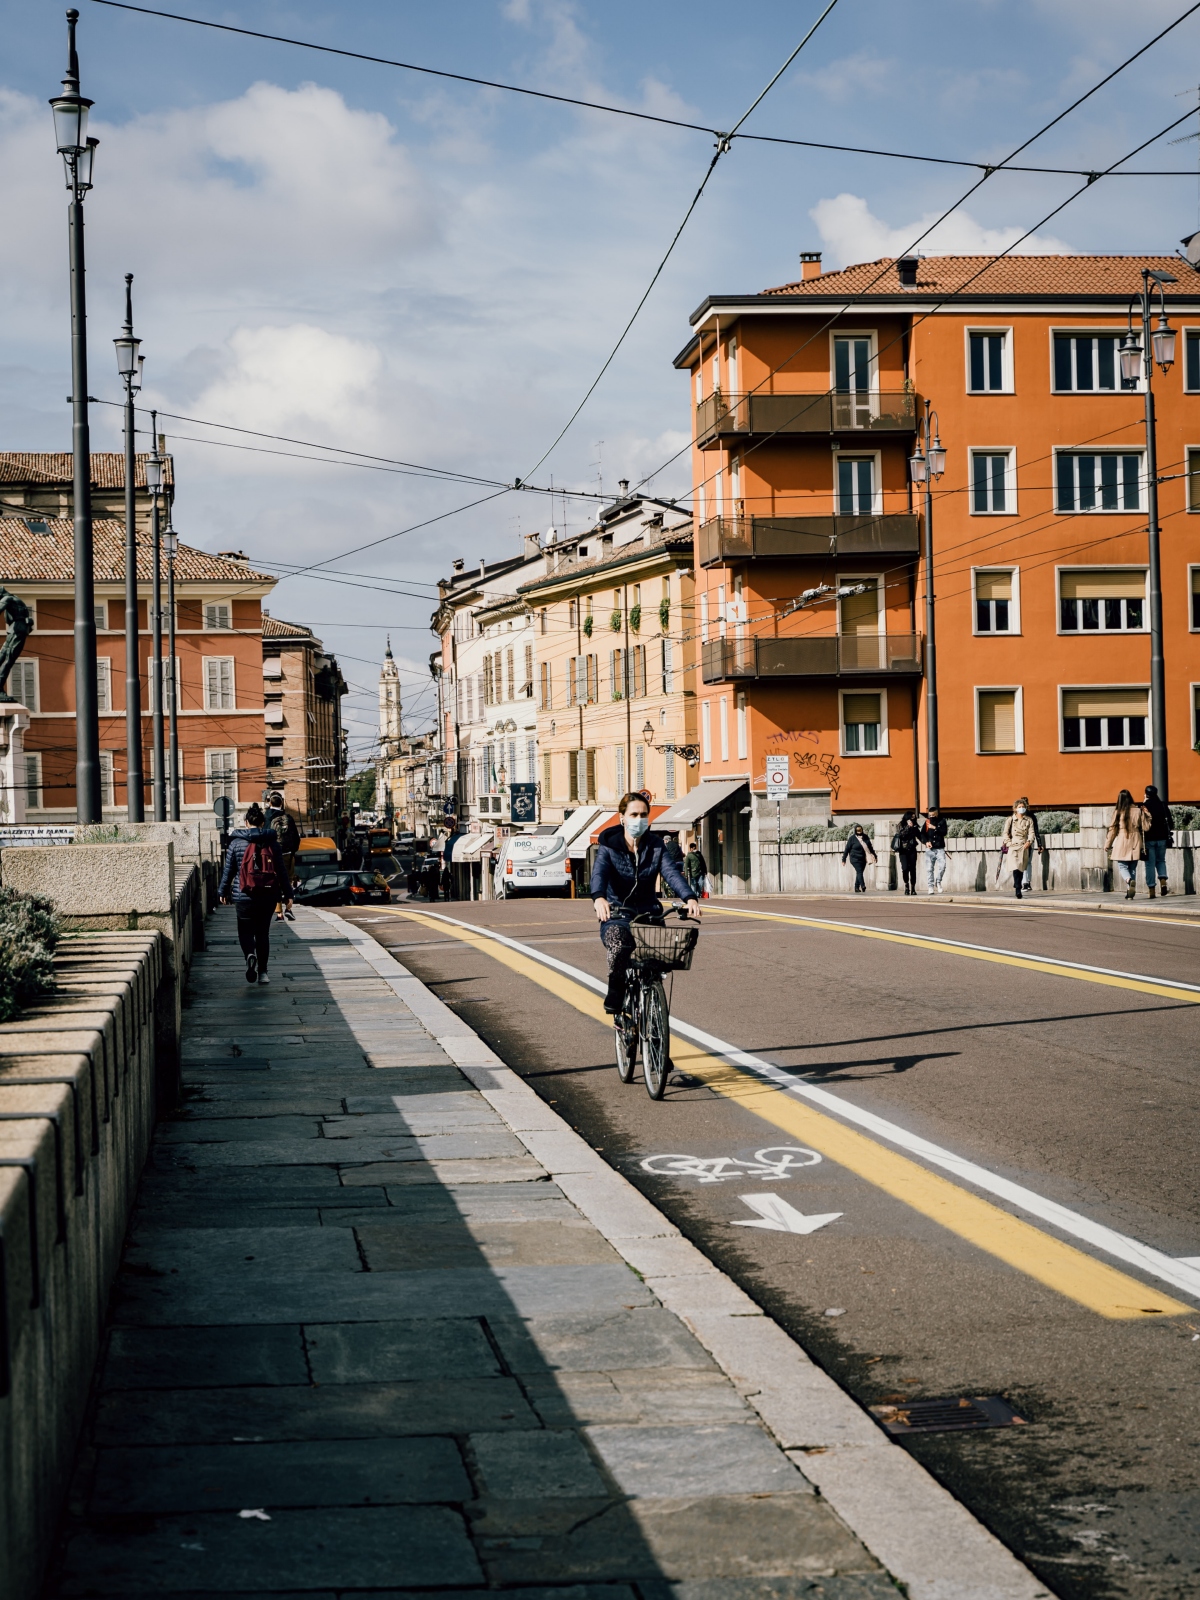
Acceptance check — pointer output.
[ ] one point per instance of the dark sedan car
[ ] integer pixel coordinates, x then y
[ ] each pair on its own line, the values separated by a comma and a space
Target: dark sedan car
342, 889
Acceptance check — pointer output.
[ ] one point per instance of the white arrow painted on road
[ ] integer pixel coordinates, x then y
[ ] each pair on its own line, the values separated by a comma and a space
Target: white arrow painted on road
775, 1213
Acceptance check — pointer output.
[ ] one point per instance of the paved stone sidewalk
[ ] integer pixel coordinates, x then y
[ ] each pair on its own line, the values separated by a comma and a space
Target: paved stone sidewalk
363, 1344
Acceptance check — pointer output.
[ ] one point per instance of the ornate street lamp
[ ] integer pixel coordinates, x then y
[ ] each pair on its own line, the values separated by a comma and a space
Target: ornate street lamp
928, 462
78, 151
129, 365
154, 479
170, 543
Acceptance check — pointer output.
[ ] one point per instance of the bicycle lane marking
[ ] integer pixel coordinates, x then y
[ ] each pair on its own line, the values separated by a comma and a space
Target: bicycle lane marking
791, 1105
1108, 977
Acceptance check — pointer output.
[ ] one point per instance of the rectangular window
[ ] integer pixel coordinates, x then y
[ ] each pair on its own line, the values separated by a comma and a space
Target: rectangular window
547, 698
994, 609
743, 743
274, 752
487, 681
998, 718
572, 613
218, 683
1088, 363
990, 472
531, 760
1094, 601
107, 797
1193, 480
167, 684
23, 683
217, 616
220, 769
668, 670
33, 779
547, 773
638, 663
862, 720
468, 688
1196, 597
723, 714
639, 766
856, 485
103, 684
545, 616
1106, 481
618, 674
573, 775
704, 616
987, 362
1105, 719
706, 731
512, 673
101, 613
593, 679
573, 681
1191, 376
851, 365
619, 756
669, 766
527, 677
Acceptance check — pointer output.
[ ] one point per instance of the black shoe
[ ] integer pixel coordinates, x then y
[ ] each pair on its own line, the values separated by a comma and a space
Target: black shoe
290, 914
251, 969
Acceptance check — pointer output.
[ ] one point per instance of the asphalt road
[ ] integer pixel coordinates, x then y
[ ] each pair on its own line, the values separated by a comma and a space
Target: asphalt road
1080, 1088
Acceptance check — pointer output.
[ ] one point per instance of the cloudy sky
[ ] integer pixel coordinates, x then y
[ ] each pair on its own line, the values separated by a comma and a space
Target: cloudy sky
430, 272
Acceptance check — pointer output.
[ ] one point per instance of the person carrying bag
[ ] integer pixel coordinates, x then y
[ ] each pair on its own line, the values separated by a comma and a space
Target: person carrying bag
253, 880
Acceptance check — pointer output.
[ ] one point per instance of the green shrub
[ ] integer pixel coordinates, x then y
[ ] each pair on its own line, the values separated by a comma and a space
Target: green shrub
976, 827
664, 614
635, 618
29, 930
1058, 821
588, 624
1185, 816
819, 833
614, 622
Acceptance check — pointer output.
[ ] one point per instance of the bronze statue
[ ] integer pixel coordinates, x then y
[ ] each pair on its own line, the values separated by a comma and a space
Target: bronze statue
19, 618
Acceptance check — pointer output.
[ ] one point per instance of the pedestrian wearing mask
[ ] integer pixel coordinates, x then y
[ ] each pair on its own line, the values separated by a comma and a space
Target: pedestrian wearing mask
1126, 839
1159, 837
858, 848
1039, 844
1018, 839
629, 862
904, 842
932, 834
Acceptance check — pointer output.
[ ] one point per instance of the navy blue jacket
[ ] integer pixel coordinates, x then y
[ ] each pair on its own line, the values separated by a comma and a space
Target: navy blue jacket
615, 879
238, 840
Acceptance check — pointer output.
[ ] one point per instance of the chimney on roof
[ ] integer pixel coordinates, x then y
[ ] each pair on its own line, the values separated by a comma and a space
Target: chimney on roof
1191, 249
232, 555
907, 266
457, 564
483, 569
623, 486
810, 264
533, 545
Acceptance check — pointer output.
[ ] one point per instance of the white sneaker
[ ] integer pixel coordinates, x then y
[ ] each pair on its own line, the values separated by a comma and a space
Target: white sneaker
262, 978
931, 891
940, 889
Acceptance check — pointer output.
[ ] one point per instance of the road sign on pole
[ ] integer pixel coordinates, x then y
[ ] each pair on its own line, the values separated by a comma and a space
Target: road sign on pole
778, 774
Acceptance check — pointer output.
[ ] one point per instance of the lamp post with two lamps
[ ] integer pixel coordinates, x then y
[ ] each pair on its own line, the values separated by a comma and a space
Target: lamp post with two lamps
927, 462
129, 365
70, 110
1138, 358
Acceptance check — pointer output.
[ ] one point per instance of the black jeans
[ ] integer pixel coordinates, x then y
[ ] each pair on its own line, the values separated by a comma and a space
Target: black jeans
860, 883
254, 928
908, 867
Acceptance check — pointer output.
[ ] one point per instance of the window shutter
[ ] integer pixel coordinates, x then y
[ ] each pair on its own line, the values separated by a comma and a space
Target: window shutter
590, 773
512, 691
593, 678
528, 684
104, 687
640, 669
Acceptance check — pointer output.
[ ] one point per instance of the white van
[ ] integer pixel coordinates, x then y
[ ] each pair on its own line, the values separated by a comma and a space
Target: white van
533, 863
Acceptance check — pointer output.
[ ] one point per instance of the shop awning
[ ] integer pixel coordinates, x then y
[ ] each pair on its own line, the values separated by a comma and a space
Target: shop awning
606, 819
698, 802
580, 821
468, 846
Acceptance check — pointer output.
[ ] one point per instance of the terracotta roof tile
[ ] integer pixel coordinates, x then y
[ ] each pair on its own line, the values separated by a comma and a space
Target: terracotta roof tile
50, 557
51, 468
276, 628
1012, 275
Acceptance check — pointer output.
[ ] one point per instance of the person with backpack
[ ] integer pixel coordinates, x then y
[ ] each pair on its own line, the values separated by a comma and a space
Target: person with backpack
288, 835
253, 881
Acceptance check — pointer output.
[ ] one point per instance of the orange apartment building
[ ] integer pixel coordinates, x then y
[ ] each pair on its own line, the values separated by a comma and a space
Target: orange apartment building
218, 651
806, 400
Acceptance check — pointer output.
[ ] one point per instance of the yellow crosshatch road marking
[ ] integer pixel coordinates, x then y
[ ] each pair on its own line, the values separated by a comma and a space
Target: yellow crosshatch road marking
1019, 1244
1043, 964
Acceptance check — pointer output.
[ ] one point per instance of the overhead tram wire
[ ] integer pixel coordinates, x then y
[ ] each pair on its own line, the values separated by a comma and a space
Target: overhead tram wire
723, 146
598, 105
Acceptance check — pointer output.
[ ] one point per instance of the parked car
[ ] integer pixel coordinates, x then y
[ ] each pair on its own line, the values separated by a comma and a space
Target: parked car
343, 889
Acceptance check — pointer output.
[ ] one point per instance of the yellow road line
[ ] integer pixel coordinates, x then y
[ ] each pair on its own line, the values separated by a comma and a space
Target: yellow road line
1043, 964
1039, 1255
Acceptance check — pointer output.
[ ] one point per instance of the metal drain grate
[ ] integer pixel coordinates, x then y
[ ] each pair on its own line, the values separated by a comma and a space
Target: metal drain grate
946, 1416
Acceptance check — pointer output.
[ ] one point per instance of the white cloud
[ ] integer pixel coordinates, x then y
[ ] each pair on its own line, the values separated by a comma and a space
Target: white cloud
852, 233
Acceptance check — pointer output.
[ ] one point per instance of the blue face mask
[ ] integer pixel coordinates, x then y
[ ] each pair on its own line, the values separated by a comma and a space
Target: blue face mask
635, 827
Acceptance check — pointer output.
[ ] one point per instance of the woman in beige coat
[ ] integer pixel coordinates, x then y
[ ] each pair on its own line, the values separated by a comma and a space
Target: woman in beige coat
1018, 839
1126, 839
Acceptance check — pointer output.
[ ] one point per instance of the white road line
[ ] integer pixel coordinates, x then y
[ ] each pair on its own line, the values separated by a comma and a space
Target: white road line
1177, 1272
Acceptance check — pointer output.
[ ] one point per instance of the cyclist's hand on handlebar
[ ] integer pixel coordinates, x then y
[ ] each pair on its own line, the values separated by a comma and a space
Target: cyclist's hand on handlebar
602, 910
693, 910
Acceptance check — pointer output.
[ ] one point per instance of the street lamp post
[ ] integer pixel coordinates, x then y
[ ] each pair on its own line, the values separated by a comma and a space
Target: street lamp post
129, 365
928, 462
154, 484
70, 110
170, 541
1157, 346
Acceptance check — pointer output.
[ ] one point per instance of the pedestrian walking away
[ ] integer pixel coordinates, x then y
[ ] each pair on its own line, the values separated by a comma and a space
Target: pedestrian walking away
629, 862
1159, 836
858, 848
1017, 843
695, 868
904, 842
1126, 839
288, 835
252, 881
932, 834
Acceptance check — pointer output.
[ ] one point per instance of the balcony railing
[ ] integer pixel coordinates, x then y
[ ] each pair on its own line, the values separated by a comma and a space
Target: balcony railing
813, 656
779, 538
724, 416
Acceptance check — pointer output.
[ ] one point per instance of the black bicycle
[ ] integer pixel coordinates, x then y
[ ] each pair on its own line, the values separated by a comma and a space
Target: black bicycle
644, 1020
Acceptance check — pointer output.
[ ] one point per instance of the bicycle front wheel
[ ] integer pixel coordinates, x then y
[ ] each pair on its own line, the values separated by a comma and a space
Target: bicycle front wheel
625, 1037
656, 1038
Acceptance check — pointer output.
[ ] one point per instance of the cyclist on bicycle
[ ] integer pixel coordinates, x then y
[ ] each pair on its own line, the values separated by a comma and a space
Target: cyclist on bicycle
629, 862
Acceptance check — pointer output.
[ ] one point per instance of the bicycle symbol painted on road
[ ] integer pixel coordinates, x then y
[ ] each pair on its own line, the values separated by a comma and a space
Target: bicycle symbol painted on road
772, 1164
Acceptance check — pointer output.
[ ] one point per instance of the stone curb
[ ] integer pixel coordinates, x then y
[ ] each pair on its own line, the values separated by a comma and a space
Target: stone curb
910, 1524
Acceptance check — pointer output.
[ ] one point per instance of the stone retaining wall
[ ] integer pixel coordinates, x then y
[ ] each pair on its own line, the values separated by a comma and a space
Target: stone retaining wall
77, 1106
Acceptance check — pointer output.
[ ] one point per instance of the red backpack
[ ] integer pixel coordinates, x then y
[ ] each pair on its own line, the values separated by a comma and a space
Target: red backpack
257, 873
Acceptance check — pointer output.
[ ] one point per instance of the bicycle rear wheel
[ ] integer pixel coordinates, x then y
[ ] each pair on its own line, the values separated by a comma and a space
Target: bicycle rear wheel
656, 1038
625, 1035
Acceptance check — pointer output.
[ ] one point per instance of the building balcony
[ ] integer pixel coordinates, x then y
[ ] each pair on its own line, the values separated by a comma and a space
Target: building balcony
848, 655
722, 418
725, 539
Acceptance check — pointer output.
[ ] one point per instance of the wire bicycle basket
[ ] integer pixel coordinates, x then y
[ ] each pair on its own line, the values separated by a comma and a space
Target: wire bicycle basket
670, 948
